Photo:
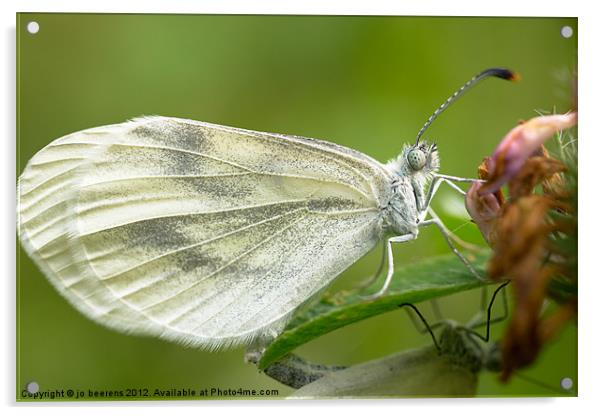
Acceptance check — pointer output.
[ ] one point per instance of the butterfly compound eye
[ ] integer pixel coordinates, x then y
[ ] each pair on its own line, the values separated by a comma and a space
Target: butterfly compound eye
416, 159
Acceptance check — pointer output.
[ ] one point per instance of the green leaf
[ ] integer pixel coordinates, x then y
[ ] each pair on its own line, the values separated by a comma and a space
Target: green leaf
435, 277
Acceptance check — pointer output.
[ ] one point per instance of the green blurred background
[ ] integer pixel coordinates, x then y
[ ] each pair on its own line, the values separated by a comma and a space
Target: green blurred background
364, 82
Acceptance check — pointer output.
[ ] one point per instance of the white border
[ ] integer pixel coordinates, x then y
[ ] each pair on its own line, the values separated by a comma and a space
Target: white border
348, 7
589, 101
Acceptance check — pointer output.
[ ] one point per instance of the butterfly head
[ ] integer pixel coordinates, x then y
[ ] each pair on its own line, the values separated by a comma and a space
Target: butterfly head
421, 158
419, 161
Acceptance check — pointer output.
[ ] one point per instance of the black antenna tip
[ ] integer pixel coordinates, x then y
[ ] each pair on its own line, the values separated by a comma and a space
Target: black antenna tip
502, 73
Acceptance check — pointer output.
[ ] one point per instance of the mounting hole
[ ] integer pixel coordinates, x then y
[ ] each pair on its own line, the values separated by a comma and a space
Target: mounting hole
566, 383
32, 387
566, 32
33, 27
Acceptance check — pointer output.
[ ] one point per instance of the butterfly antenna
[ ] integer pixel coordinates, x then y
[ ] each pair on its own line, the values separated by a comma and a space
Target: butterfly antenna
495, 72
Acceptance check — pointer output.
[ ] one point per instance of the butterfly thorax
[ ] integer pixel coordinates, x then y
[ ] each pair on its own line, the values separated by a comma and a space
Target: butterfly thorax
412, 173
401, 212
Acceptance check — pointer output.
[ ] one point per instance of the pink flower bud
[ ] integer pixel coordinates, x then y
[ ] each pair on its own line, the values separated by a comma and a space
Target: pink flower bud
521, 143
483, 210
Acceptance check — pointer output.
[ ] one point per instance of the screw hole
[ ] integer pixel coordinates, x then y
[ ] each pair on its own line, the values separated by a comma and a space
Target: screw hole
33, 27
32, 387
566, 383
566, 32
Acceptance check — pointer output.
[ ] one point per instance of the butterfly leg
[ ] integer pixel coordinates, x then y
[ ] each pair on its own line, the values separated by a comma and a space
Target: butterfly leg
421, 329
427, 327
459, 179
478, 321
453, 236
394, 240
449, 180
428, 210
430, 195
437, 222
465, 245
365, 284
436, 183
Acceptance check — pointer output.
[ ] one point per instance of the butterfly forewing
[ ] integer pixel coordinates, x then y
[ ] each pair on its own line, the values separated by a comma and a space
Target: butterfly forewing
205, 234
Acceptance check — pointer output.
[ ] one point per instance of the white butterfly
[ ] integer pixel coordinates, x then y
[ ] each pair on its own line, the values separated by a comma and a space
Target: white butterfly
210, 235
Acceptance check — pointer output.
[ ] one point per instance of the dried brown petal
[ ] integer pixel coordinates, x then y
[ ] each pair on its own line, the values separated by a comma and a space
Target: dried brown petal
522, 343
527, 333
534, 171
549, 327
520, 233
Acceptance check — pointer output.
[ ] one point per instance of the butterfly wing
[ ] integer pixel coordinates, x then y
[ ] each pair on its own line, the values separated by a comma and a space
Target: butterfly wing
422, 372
205, 234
